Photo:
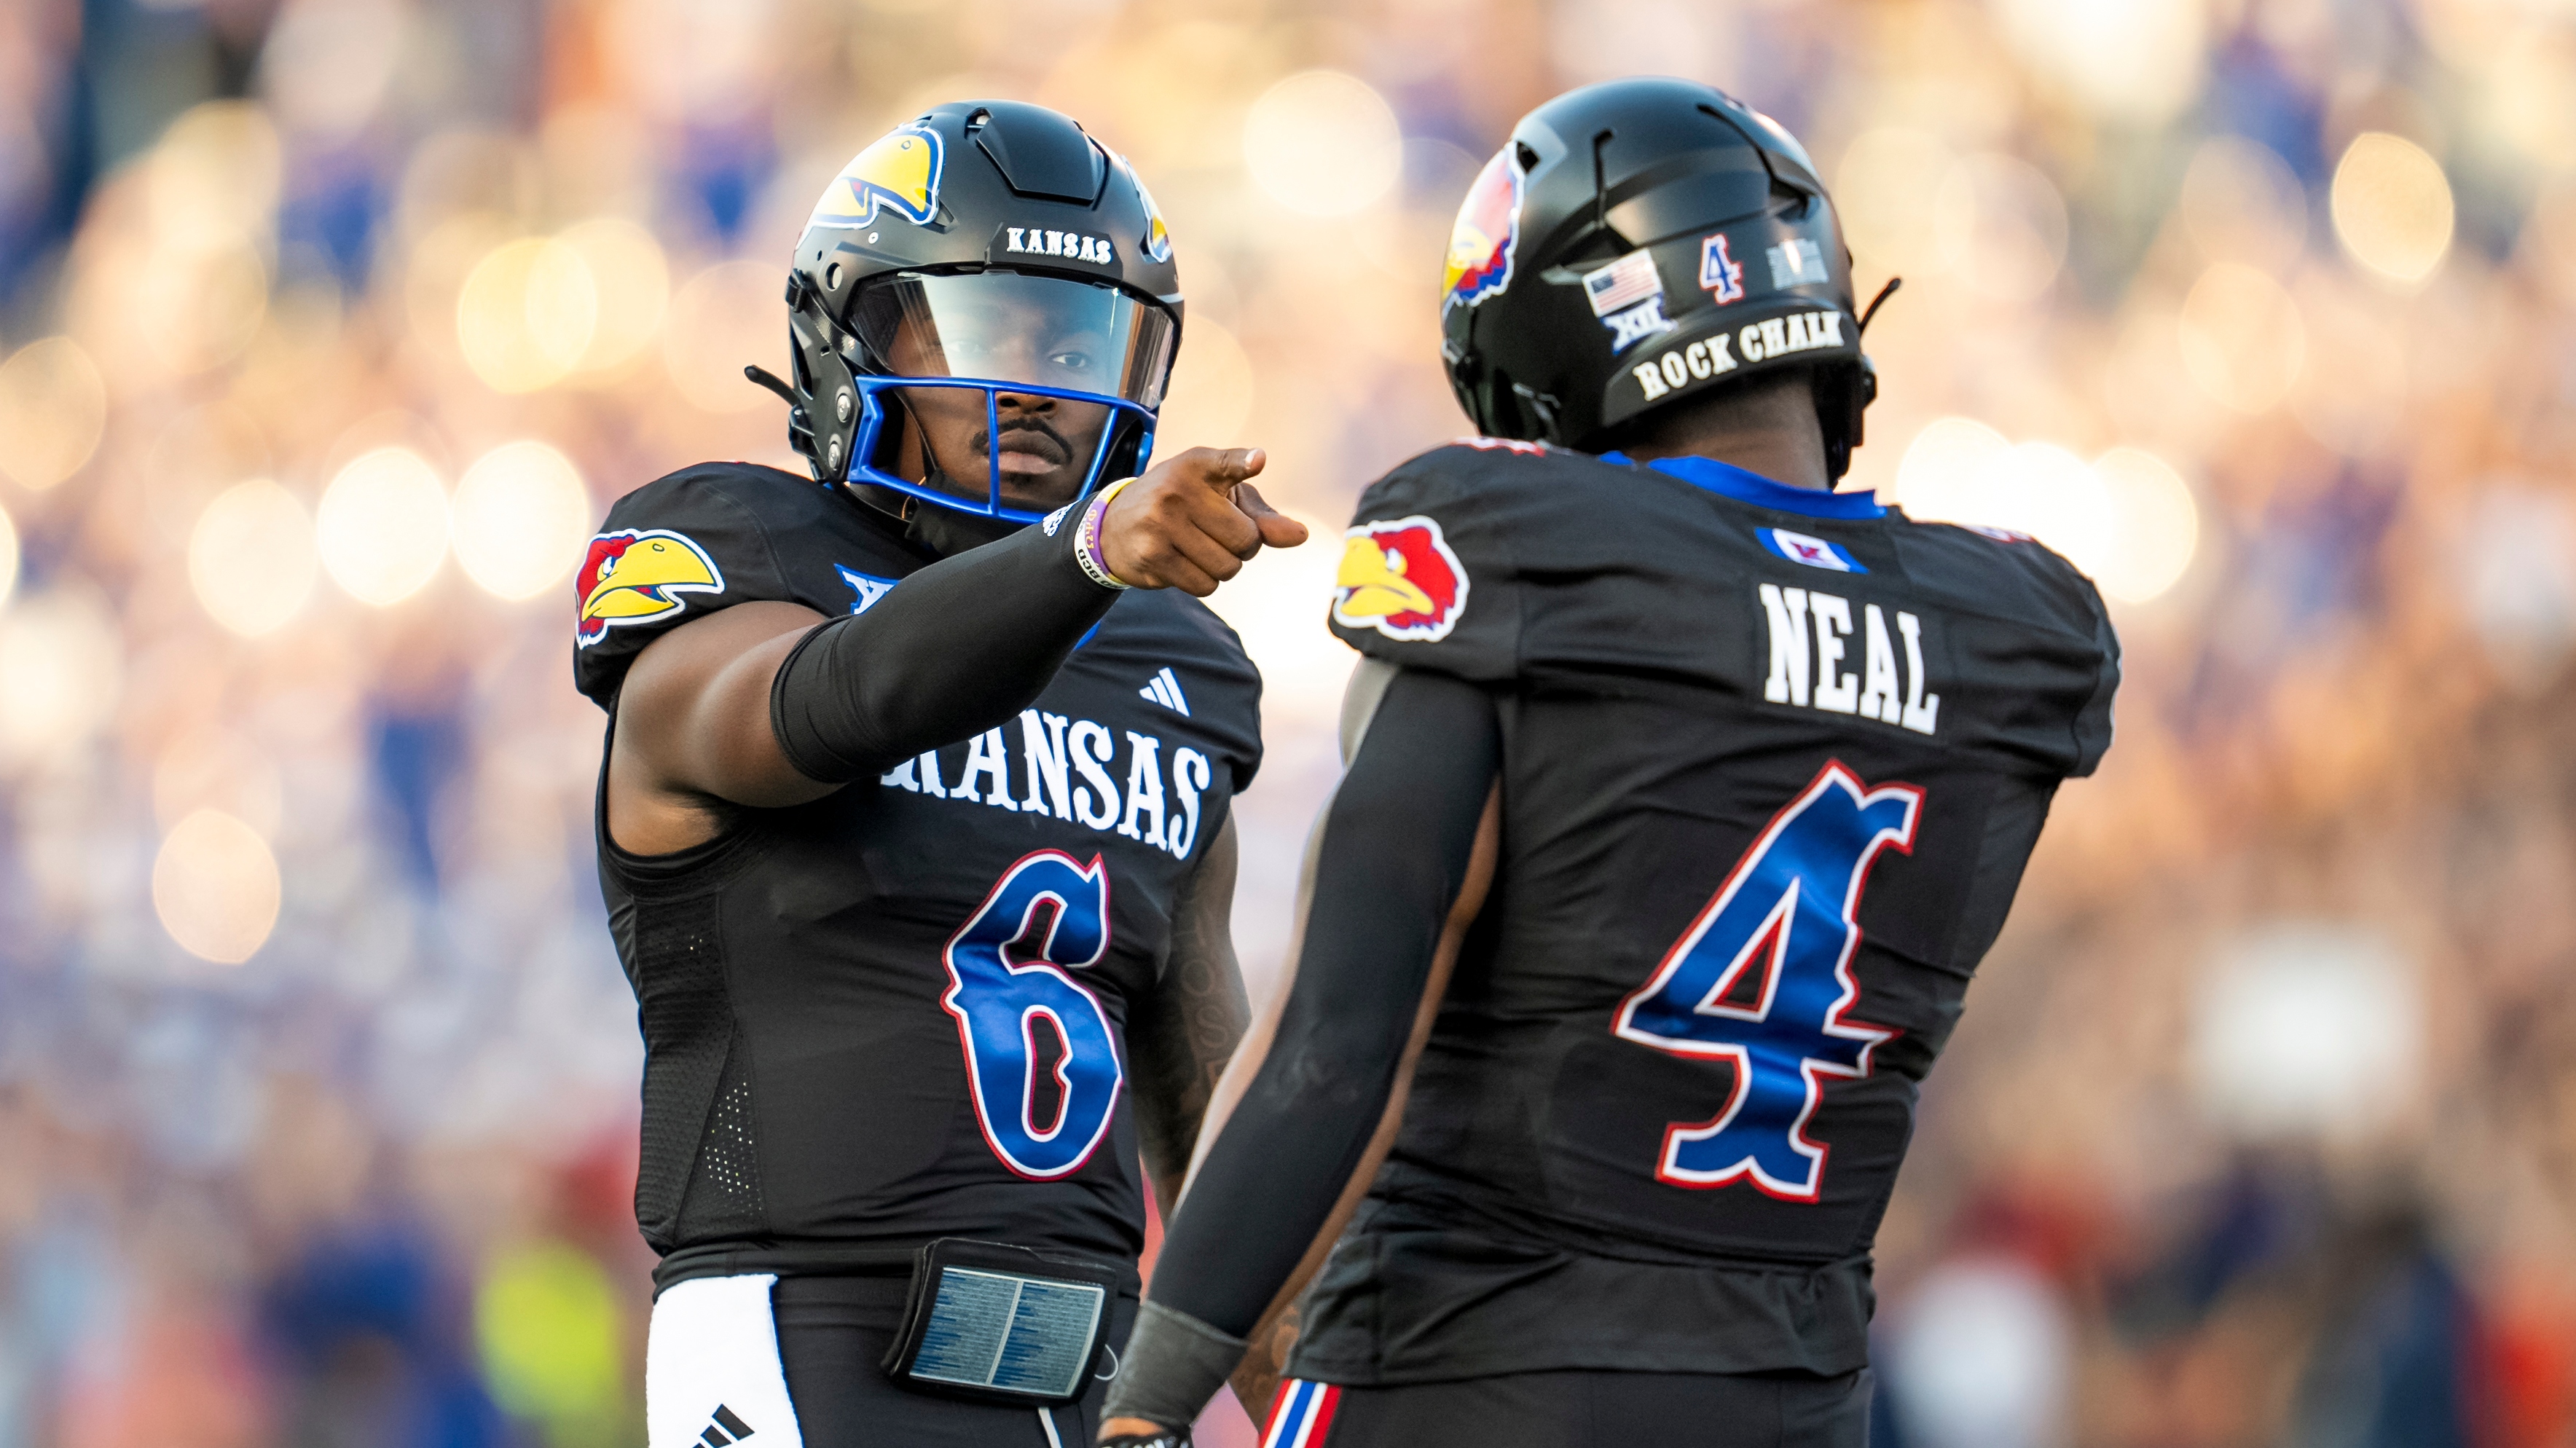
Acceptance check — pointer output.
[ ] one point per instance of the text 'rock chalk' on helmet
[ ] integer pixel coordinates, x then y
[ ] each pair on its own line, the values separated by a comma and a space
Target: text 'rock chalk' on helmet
959, 233
1635, 243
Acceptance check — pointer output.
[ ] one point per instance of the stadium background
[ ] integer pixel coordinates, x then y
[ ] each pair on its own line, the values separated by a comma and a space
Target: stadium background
327, 328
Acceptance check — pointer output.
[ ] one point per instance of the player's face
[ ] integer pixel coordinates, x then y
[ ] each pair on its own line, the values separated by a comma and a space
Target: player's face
1045, 444
1010, 327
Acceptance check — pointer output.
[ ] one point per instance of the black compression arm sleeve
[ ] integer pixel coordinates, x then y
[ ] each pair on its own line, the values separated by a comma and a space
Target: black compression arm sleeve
1393, 858
952, 651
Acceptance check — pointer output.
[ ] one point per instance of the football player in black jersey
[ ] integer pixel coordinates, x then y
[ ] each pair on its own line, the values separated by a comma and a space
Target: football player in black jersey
913, 822
1684, 794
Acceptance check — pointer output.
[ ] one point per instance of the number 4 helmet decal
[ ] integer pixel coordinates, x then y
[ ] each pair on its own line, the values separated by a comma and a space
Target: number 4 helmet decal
1787, 913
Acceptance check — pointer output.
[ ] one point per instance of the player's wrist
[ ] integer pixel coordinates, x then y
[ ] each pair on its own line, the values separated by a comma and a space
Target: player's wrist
1088, 548
1173, 1363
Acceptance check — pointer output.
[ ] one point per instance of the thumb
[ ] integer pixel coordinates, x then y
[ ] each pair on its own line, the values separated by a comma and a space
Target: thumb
1277, 528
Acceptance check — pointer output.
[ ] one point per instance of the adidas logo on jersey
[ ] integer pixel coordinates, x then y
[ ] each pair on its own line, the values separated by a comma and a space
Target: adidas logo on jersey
1164, 689
726, 1427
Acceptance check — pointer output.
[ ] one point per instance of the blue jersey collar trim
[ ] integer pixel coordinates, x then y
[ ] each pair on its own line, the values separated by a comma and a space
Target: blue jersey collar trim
1752, 487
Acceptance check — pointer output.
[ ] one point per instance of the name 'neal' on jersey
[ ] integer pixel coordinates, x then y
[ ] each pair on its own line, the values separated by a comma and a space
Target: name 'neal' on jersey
1808, 628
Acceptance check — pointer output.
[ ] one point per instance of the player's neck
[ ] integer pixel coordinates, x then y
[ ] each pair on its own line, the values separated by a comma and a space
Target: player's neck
1771, 431
1776, 453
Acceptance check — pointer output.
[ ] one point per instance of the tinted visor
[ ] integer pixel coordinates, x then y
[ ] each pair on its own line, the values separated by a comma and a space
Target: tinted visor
1001, 326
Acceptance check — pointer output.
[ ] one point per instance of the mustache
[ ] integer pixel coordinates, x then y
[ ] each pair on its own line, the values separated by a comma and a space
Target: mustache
1034, 434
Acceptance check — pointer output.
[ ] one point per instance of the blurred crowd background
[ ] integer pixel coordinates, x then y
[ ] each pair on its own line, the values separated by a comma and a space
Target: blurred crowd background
329, 327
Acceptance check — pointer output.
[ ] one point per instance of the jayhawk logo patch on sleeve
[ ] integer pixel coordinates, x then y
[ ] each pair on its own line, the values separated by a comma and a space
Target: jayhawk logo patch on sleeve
634, 577
1399, 577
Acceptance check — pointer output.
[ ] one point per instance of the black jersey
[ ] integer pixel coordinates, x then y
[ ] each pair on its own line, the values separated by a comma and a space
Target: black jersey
1772, 762
899, 1012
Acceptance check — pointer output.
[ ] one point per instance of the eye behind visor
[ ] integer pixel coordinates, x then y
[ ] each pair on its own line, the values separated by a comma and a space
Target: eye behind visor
1000, 326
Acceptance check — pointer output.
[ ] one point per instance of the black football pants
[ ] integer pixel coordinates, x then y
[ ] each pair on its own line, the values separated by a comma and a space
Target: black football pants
1602, 1410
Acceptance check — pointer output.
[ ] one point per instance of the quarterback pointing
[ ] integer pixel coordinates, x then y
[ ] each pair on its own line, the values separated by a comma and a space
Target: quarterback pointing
1684, 794
913, 818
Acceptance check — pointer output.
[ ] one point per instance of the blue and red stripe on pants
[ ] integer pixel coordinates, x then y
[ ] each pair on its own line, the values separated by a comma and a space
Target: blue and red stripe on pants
1301, 1415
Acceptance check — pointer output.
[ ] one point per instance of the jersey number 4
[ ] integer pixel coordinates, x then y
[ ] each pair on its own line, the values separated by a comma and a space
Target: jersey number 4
1785, 916
1006, 970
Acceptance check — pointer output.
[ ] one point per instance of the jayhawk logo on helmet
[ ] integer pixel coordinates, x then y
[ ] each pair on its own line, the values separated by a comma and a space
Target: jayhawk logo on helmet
1400, 578
900, 171
1157, 242
633, 577
1487, 231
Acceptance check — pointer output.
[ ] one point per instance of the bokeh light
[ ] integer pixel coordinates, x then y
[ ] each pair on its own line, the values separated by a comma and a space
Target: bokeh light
526, 314
631, 284
1941, 469
2155, 525
251, 557
725, 317
521, 517
1884, 192
328, 63
381, 528
214, 766
2550, 238
2527, 90
1212, 391
53, 409
2352, 397
2128, 520
1958, 470
2129, 60
8, 558
2242, 203
2517, 570
1999, 227
1981, 1358
546, 1320
2392, 207
2242, 338
62, 665
213, 180
2303, 1027
215, 887
1322, 143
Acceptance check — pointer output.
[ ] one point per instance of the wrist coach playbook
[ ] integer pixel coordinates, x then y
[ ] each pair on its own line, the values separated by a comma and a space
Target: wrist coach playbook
999, 1323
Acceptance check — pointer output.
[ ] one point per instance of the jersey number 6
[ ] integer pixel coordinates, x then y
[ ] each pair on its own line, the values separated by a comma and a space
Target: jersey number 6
1001, 981
1786, 914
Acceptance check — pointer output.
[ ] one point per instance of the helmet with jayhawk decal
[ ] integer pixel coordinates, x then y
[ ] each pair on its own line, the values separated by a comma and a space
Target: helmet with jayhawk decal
1635, 243
966, 189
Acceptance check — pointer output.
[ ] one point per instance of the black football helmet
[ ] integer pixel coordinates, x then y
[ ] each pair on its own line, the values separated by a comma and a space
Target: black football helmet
988, 247
1635, 243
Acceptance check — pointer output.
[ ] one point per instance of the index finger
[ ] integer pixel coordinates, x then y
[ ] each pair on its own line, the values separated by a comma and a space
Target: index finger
1222, 470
